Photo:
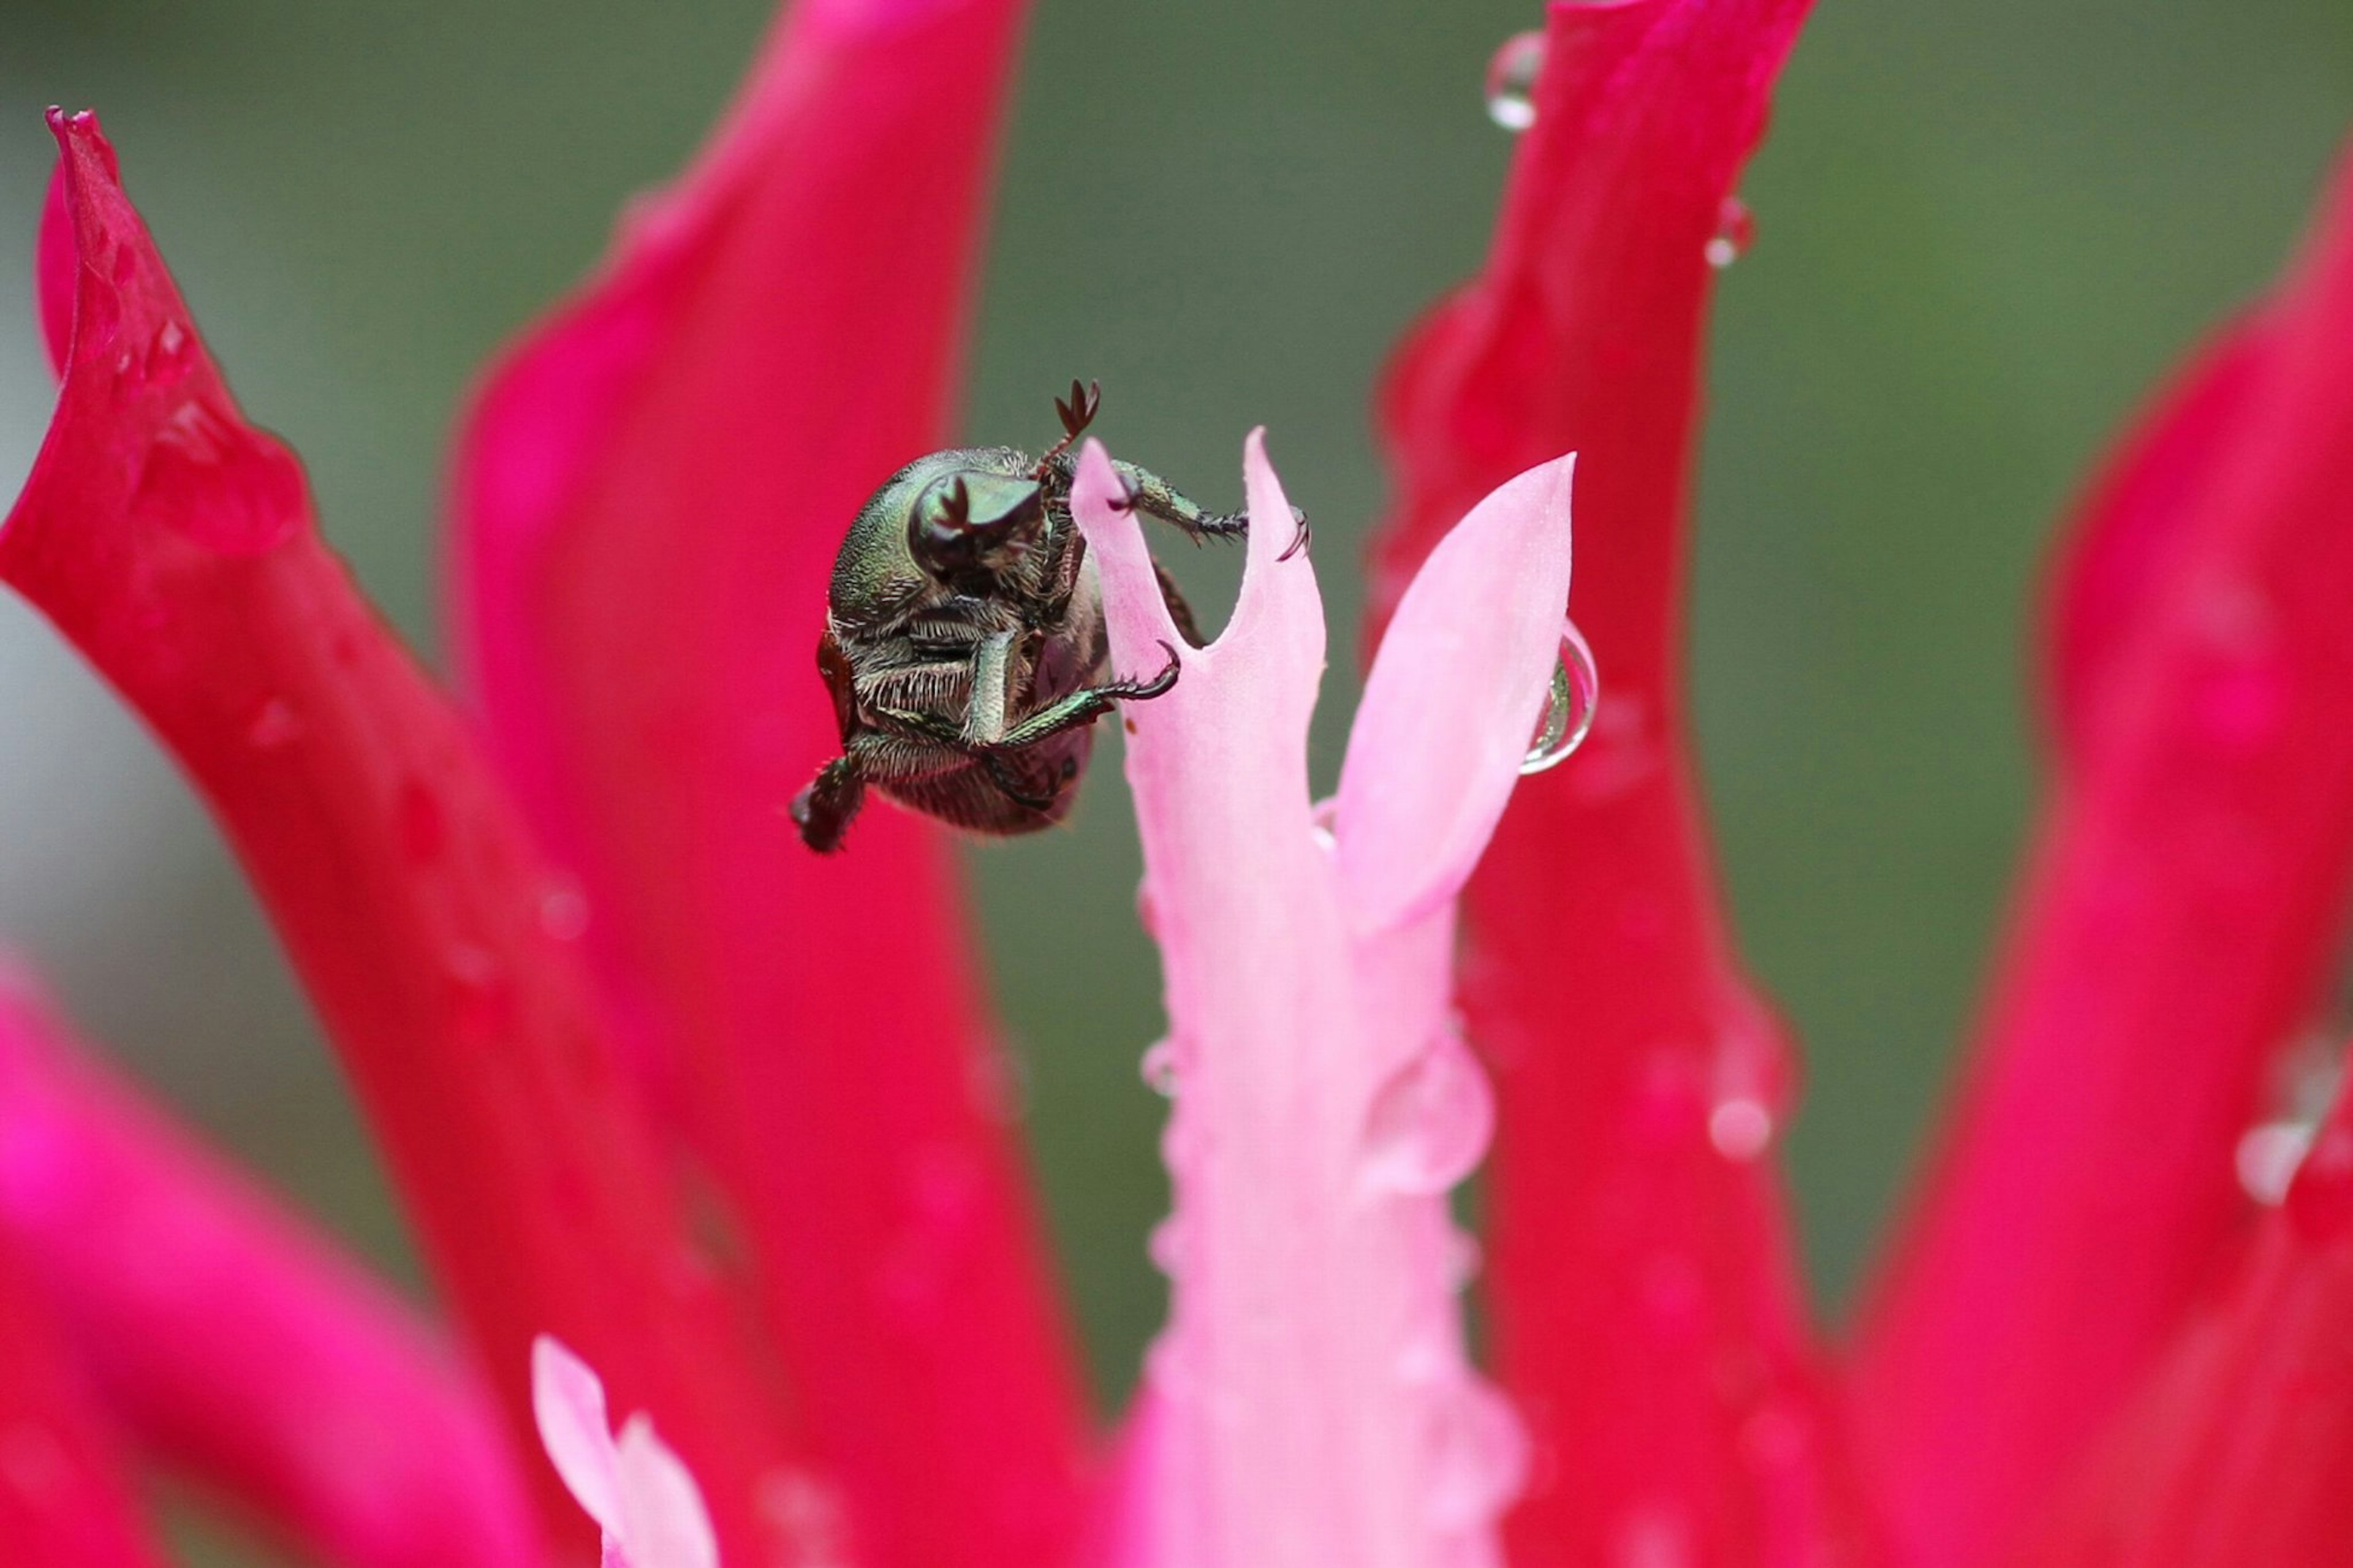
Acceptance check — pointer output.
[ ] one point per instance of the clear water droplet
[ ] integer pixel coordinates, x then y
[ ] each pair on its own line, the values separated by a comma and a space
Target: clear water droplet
228, 487
273, 724
564, 912
1740, 1128
1430, 1123
1482, 1460
1160, 1069
1165, 1246
1735, 230
1512, 81
1320, 820
2268, 1157
1570, 703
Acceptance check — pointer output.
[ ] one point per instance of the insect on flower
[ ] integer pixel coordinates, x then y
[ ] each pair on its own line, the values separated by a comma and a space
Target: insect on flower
965, 645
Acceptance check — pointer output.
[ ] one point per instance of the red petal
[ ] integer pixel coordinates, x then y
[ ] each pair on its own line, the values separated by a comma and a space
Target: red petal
268, 1362
172, 542
2177, 927
1645, 1296
53, 272
64, 1501
2115, 563
650, 499
2238, 1451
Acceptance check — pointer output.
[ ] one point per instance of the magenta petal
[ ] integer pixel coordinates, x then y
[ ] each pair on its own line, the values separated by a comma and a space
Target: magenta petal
648, 497
1311, 1402
53, 272
232, 1341
1453, 700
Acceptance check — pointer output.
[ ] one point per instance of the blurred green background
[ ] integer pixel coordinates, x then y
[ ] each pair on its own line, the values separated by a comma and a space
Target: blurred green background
1984, 231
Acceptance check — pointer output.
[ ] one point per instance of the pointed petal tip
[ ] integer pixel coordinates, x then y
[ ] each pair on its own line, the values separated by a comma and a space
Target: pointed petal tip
1455, 693
568, 1401
665, 1523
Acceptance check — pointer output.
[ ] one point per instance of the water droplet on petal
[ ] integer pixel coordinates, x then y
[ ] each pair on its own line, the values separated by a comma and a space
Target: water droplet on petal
1512, 81
564, 912
1160, 1069
1482, 1460
274, 723
1741, 1129
1430, 1123
1165, 1246
1735, 230
2267, 1158
227, 488
1570, 703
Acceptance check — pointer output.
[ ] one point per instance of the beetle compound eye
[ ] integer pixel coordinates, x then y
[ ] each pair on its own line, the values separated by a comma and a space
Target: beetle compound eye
961, 520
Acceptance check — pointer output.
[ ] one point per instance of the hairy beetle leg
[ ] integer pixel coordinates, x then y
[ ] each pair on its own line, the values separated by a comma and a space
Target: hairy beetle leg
824, 810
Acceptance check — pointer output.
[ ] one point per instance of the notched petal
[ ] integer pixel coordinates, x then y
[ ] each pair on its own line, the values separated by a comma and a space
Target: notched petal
1457, 689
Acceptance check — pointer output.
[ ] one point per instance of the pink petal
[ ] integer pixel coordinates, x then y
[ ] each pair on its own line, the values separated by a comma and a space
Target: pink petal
1453, 700
1310, 1403
649, 494
231, 1338
567, 1399
66, 1500
174, 543
2178, 924
1636, 1255
663, 1521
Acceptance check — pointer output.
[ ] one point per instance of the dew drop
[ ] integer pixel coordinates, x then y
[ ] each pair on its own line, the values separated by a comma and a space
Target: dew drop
228, 488
564, 912
1430, 1123
1570, 703
1160, 1069
2267, 1158
1512, 81
1481, 1458
1740, 1128
1735, 230
1165, 1246
272, 724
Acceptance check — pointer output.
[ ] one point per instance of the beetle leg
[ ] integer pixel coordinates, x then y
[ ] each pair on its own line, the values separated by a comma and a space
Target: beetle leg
1010, 787
1157, 498
823, 811
989, 709
1082, 708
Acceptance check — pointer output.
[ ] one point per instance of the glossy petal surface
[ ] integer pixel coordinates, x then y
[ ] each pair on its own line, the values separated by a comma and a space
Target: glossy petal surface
230, 1339
1311, 1400
172, 544
1645, 1300
649, 495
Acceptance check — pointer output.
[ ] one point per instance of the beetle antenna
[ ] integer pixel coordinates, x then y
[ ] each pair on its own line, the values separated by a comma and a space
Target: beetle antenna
1076, 413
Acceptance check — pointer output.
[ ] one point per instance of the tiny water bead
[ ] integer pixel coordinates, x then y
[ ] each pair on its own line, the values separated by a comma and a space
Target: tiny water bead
1512, 81
1570, 704
1159, 1069
1735, 230
1429, 1125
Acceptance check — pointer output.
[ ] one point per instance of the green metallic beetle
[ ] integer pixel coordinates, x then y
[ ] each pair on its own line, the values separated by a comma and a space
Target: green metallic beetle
965, 643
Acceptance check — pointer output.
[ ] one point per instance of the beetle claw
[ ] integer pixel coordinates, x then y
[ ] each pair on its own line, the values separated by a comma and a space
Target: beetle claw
1299, 541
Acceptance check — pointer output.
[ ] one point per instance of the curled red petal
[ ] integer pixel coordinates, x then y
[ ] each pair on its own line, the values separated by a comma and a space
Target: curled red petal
65, 1499
649, 496
2176, 930
2114, 563
172, 544
2237, 1450
232, 1340
1645, 1300
53, 270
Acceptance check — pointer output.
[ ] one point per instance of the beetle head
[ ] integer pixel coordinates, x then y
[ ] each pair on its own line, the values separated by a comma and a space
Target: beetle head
967, 525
